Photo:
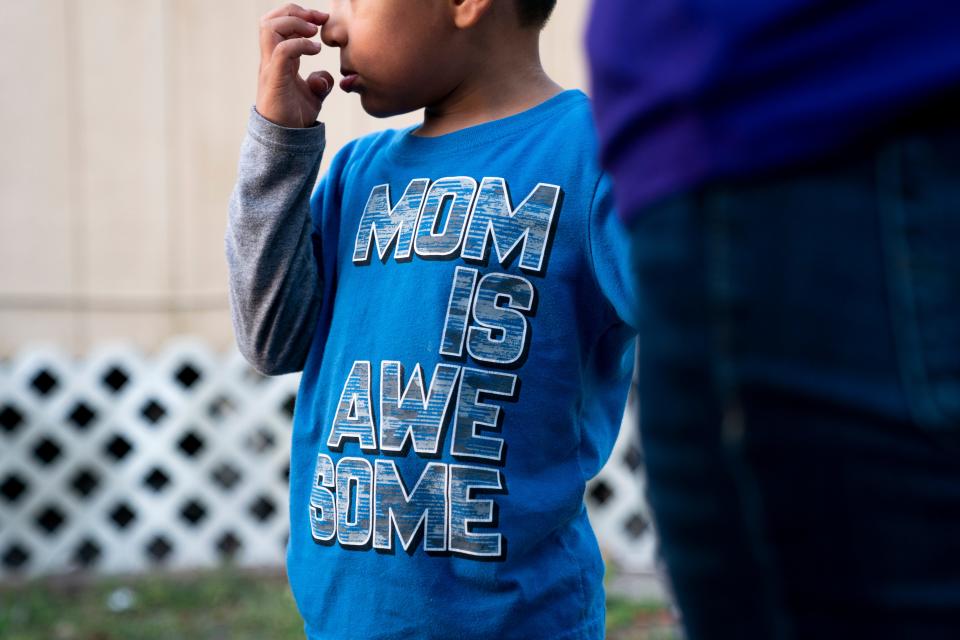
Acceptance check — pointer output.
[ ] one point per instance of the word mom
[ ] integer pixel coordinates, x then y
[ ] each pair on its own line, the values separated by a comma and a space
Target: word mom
454, 217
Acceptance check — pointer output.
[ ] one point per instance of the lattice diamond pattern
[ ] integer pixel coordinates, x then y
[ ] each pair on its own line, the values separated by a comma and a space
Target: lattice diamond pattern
105, 462
120, 463
617, 506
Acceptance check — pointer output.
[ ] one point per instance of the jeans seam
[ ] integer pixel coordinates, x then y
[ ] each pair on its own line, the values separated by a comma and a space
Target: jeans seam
718, 274
902, 305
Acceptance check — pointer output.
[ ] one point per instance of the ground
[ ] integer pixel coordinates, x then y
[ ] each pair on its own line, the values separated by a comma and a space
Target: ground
226, 604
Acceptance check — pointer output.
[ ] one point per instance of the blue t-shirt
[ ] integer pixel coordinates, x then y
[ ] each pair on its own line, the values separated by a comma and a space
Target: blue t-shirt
467, 377
688, 91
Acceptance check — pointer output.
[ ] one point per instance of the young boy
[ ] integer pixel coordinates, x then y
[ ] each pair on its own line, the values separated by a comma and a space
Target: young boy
455, 295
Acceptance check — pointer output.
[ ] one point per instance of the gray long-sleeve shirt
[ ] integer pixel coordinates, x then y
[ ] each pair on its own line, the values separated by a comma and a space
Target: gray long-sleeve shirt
275, 287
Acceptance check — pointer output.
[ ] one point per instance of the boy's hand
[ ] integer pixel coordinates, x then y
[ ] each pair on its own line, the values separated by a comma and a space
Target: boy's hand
283, 97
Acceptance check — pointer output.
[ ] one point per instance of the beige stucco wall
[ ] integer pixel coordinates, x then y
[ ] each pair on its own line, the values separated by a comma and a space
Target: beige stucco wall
122, 123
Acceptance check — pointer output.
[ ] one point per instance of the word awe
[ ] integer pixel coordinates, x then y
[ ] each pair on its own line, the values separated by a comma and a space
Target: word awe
416, 415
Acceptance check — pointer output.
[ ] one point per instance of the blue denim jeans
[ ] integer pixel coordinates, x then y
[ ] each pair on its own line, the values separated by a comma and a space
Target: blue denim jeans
799, 369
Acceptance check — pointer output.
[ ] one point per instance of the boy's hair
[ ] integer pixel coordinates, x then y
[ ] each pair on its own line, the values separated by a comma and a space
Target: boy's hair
534, 13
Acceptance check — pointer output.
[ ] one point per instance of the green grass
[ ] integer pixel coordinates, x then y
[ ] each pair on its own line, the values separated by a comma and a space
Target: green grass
221, 604
225, 604
639, 620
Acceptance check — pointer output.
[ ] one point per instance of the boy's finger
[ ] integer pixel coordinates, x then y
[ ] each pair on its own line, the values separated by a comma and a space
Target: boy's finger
296, 47
320, 83
318, 17
289, 9
286, 25
311, 16
276, 30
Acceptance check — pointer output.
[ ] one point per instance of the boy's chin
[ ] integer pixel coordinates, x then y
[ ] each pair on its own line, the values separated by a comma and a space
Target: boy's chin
383, 108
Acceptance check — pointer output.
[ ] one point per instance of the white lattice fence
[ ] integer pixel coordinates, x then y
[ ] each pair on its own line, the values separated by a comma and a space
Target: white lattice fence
617, 506
117, 463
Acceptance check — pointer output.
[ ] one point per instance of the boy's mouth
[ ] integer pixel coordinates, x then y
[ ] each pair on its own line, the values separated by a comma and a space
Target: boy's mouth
349, 80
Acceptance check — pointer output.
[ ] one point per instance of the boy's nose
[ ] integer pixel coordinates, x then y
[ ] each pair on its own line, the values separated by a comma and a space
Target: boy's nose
333, 33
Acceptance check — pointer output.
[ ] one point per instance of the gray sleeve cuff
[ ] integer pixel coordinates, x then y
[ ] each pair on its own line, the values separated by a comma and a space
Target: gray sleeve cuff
285, 138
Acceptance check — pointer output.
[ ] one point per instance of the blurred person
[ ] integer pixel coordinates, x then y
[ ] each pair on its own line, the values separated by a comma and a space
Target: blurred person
790, 174
455, 295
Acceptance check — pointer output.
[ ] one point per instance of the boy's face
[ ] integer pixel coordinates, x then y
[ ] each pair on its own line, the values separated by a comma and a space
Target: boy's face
399, 55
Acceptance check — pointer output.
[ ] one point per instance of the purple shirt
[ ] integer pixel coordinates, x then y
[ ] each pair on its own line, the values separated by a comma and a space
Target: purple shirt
687, 91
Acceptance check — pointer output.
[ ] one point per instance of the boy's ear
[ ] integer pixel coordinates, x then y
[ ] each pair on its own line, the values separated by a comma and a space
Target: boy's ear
467, 13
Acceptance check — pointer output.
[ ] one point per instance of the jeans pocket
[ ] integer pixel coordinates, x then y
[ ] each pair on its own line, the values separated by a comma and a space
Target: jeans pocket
919, 200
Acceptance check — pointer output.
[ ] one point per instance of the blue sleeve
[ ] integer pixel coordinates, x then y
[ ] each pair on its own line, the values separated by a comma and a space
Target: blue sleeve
609, 245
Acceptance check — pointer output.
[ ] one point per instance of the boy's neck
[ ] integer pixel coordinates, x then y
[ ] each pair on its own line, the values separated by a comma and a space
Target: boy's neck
501, 84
